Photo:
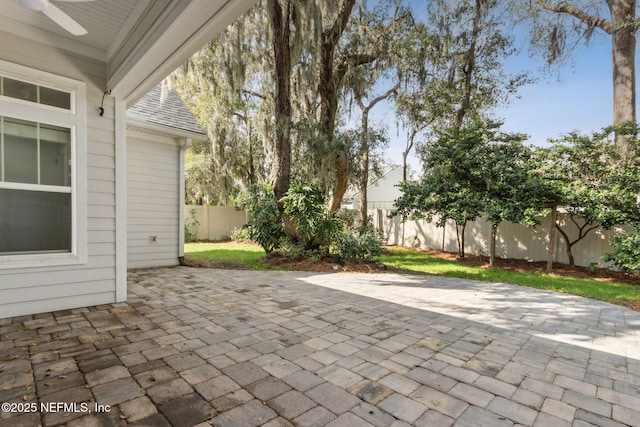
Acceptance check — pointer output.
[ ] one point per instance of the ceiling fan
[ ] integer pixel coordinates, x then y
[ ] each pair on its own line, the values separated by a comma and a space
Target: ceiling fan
55, 14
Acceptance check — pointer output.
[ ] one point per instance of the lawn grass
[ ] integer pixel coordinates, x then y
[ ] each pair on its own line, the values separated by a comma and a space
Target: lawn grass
415, 262
242, 254
419, 262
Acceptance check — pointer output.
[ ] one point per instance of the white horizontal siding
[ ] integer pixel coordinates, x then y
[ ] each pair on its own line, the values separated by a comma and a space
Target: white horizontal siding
54, 304
65, 281
152, 201
42, 289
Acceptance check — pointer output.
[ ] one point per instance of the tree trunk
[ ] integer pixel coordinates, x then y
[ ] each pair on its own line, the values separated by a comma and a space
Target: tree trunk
342, 180
464, 227
405, 154
252, 168
364, 167
583, 231
281, 166
460, 238
224, 192
470, 63
552, 237
364, 149
328, 92
569, 243
572, 261
623, 58
492, 251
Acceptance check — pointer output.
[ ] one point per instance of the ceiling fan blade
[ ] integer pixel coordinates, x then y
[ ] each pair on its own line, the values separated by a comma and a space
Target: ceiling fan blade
38, 5
64, 20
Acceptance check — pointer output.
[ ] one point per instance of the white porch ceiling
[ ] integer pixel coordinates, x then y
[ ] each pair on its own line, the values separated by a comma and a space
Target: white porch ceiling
104, 19
140, 41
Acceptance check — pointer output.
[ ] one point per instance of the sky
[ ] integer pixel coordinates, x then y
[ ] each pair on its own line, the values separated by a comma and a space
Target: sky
575, 96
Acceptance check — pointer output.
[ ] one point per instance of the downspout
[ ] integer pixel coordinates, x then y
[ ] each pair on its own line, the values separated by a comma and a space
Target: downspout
181, 199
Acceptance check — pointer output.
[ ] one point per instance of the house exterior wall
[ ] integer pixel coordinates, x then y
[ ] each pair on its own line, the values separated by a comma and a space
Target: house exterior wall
152, 200
382, 193
41, 289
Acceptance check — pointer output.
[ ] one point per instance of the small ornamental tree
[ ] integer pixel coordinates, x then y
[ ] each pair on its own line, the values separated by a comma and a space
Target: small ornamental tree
438, 196
469, 171
511, 190
596, 185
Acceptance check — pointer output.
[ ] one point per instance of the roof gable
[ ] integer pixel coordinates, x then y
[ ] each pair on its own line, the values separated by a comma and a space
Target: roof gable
167, 111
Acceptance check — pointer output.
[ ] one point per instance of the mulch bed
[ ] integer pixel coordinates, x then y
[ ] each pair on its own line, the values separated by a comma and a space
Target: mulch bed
325, 265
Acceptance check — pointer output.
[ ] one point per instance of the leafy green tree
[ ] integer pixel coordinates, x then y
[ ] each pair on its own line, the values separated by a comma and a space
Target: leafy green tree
593, 181
448, 190
476, 169
439, 196
504, 164
452, 64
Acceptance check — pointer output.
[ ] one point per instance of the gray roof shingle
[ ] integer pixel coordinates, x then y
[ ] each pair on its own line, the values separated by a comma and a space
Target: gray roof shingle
170, 111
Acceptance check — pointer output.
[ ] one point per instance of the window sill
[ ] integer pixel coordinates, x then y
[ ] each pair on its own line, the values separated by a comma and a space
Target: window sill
40, 260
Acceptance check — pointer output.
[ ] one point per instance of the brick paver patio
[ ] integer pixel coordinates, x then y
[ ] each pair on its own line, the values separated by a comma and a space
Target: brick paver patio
241, 348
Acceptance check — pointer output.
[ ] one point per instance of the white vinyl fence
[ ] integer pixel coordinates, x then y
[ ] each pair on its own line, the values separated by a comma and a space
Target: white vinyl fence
513, 240
213, 222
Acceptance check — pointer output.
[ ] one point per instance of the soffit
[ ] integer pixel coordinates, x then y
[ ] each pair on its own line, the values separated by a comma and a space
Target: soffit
140, 41
105, 20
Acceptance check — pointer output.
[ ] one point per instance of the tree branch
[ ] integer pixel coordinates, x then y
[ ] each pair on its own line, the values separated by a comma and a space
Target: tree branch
565, 7
332, 35
382, 97
349, 62
243, 117
564, 234
252, 93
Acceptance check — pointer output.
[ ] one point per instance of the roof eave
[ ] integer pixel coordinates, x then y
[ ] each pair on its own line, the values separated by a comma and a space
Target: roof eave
176, 37
136, 124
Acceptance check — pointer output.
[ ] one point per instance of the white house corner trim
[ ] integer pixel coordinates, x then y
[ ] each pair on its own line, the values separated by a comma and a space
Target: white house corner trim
121, 199
181, 197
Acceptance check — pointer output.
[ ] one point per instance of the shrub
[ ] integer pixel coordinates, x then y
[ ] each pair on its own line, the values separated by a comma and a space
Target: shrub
191, 225
627, 251
265, 226
240, 235
292, 251
318, 231
361, 245
316, 227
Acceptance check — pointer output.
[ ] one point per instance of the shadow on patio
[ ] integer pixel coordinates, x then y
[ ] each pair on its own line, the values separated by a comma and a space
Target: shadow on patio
241, 348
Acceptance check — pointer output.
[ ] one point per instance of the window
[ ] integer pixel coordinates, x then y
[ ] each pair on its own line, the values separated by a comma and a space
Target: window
34, 93
42, 140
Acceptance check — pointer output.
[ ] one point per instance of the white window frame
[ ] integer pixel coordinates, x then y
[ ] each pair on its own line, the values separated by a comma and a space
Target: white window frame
74, 119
